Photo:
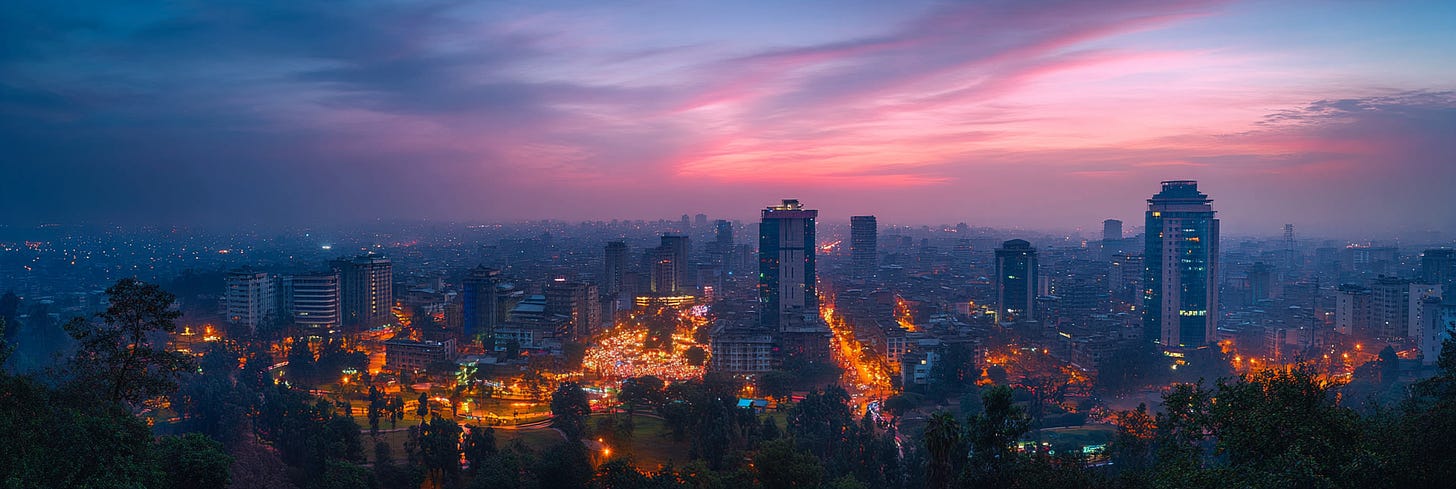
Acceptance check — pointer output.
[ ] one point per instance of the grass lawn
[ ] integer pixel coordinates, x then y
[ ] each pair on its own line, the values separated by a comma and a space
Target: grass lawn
651, 444
537, 439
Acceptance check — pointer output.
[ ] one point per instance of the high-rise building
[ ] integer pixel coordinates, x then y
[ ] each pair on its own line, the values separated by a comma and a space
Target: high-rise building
577, 301
679, 247
479, 302
1261, 281
786, 288
1125, 278
616, 268
249, 298
315, 300
1180, 295
366, 283
1416, 314
661, 266
1111, 230
1438, 266
700, 220
864, 236
1016, 281
1438, 319
723, 234
1390, 308
1353, 310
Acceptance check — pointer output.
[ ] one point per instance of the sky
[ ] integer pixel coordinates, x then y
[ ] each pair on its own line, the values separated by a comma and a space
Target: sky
1338, 117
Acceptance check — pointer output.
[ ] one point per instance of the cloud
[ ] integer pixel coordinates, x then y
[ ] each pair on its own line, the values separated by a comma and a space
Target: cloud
280, 112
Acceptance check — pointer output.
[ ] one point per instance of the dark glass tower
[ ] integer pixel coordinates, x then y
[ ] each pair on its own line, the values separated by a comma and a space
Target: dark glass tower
863, 240
1016, 276
1180, 296
786, 292
478, 303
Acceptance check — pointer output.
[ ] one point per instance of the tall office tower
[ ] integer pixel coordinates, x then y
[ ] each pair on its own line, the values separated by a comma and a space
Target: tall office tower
315, 303
1111, 230
1289, 261
616, 267
1353, 310
687, 223
479, 303
1180, 295
1016, 281
1438, 266
578, 301
249, 297
1261, 281
723, 236
680, 246
1390, 308
366, 283
786, 289
864, 237
700, 221
662, 271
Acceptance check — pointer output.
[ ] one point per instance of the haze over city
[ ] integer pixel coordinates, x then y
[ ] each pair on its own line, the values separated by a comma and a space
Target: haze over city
1015, 114
454, 244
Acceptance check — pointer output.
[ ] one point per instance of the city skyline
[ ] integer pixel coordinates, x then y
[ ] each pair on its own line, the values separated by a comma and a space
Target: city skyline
1045, 115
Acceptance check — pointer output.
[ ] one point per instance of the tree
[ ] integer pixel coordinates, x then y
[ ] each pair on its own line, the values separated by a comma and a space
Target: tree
944, 447
422, 407
640, 392
776, 384
569, 409
119, 355
478, 446
781, 466
696, 356
991, 436
564, 465
193, 461
9, 307
440, 450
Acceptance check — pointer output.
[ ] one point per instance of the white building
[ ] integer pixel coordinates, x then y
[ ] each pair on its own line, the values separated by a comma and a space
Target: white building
249, 298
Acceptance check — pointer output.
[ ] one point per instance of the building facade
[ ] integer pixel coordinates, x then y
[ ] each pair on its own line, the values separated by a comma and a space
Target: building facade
315, 302
864, 237
1180, 306
249, 298
1017, 273
366, 284
786, 287
480, 303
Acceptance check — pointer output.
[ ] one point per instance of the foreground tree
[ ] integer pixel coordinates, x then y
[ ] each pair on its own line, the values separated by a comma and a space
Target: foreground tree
119, 355
569, 408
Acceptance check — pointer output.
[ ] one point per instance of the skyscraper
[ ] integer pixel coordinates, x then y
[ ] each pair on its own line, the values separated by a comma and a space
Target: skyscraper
864, 236
366, 284
1016, 281
315, 300
479, 303
679, 247
1180, 298
1390, 307
786, 288
724, 234
616, 267
1111, 230
249, 297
